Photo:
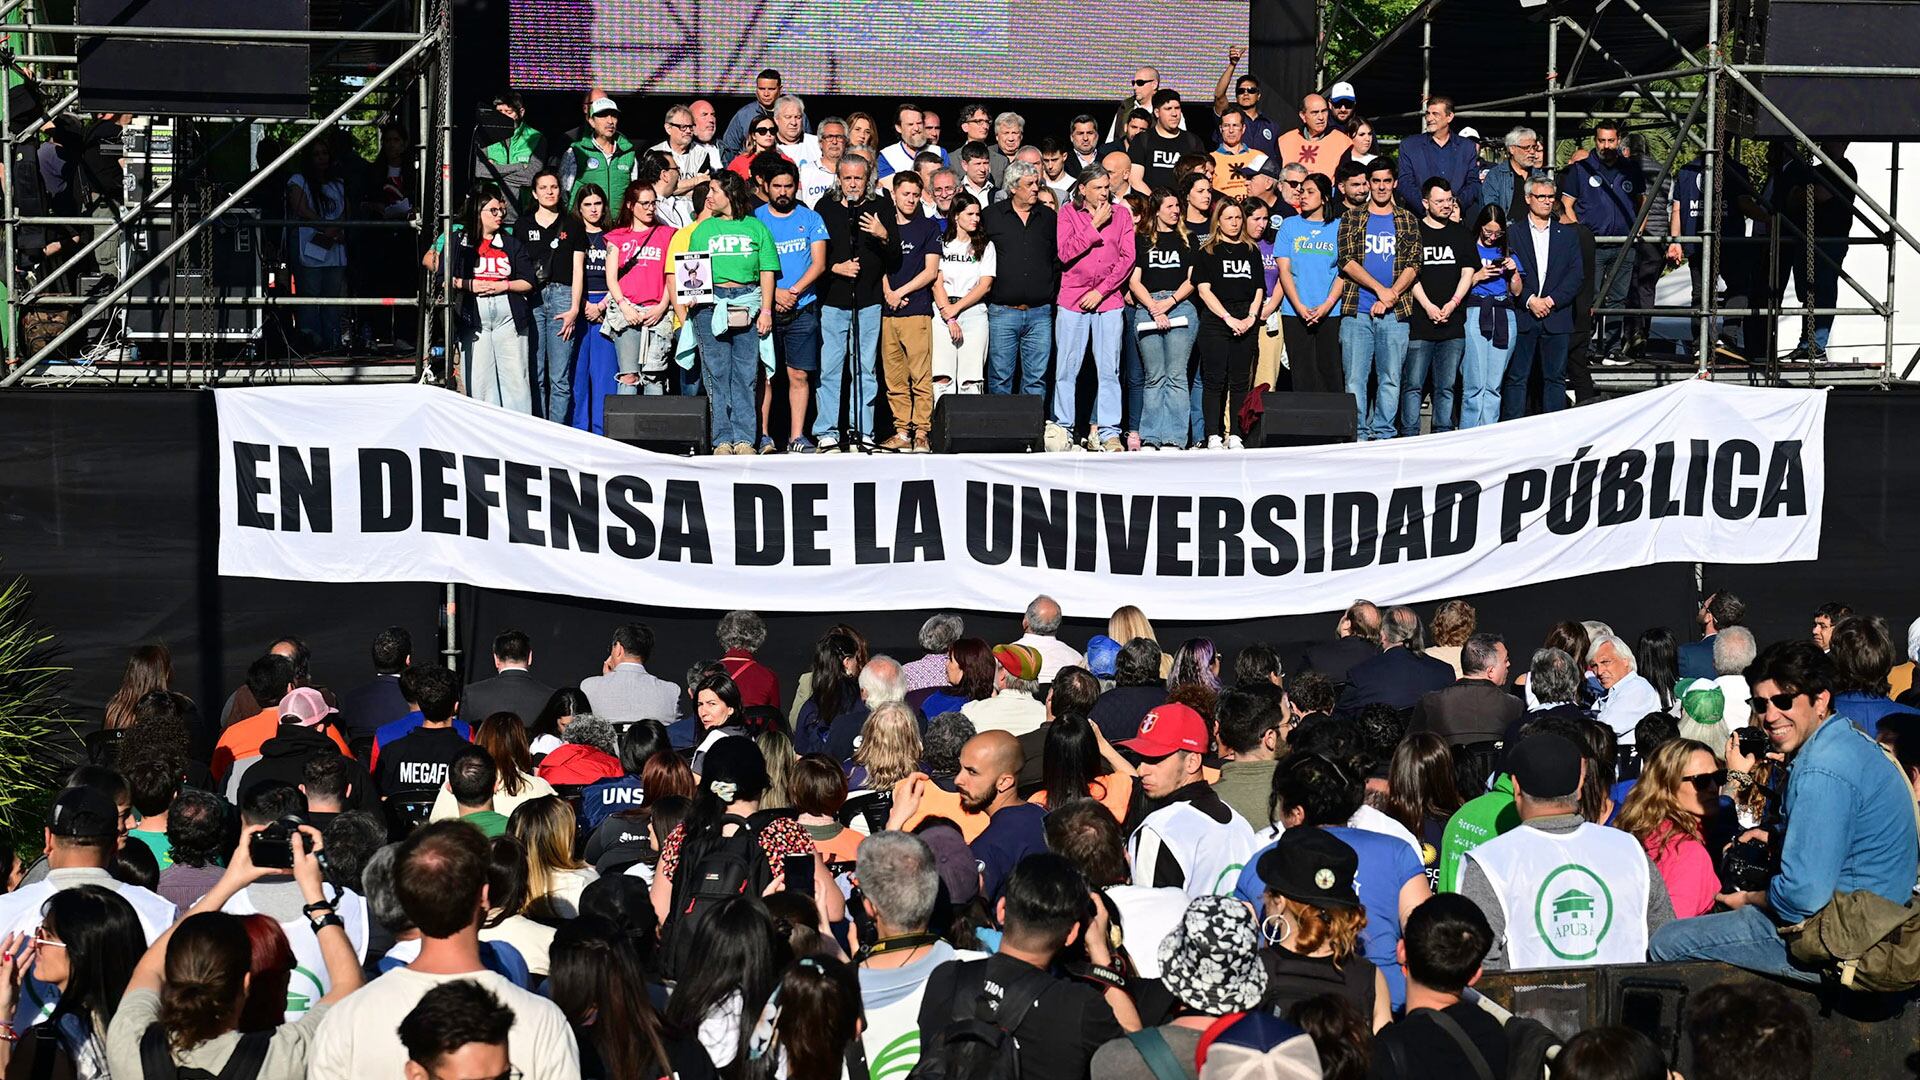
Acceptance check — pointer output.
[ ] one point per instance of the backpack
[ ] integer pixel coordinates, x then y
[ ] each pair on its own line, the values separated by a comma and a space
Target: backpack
979, 1044
1530, 1046
727, 866
156, 1061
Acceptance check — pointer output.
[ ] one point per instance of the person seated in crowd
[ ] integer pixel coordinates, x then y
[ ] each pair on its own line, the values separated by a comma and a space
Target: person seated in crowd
412, 762
1248, 723
1423, 794
373, 704
71, 968
1040, 631
589, 755
1311, 924
1401, 674
502, 737
555, 876
1092, 840
1446, 942
1058, 1023
988, 783
626, 691
1561, 891
890, 752
1073, 692
1138, 686
831, 690
1863, 654
1846, 822
741, 634
1626, 695
1718, 612
512, 689
1476, 707
1012, 707
819, 790
899, 888
268, 680
598, 981
1356, 638
196, 845
880, 684
638, 743
1679, 787
1191, 840
929, 673
936, 792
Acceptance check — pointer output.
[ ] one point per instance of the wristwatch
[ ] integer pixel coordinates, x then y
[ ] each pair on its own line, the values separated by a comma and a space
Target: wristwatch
321, 922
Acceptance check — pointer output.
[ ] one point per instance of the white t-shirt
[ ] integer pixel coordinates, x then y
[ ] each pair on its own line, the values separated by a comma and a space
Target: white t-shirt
1148, 915
815, 180
360, 1038
960, 270
532, 940
803, 153
310, 981
696, 159
20, 909
332, 207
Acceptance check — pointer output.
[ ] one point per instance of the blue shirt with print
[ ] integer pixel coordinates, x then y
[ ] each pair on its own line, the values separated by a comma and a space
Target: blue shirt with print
793, 238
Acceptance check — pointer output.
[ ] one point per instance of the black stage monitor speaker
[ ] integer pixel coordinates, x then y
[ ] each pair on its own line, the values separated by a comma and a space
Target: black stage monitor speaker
988, 423
194, 78
1296, 419
1850, 33
670, 425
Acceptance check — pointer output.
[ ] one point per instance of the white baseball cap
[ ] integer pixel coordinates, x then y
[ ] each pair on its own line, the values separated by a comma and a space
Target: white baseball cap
1342, 91
603, 105
1469, 133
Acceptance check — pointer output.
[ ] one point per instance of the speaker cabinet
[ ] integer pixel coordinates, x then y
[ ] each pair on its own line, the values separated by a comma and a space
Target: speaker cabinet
988, 423
194, 78
1849, 33
1298, 419
669, 425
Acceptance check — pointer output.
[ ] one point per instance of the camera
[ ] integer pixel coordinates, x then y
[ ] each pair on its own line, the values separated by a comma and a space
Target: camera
272, 847
1753, 741
1747, 866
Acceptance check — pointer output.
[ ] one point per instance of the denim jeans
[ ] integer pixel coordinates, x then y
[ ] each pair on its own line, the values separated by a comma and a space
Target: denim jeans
1072, 330
848, 337
646, 351
1442, 358
728, 363
1017, 344
321, 323
1550, 350
1164, 354
1374, 345
494, 358
552, 354
1133, 370
1481, 372
1744, 937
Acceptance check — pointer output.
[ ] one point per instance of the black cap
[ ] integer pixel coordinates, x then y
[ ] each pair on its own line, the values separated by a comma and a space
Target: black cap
1545, 766
1312, 866
83, 812
735, 764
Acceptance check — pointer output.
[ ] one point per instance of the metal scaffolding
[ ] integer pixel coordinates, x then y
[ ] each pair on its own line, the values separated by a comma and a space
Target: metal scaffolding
395, 57
1704, 97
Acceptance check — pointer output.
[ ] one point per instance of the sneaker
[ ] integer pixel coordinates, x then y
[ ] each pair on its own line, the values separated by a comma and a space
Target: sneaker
1215, 442
1234, 443
899, 441
722, 449
1614, 360
1056, 438
920, 444
768, 446
1113, 445
800, 444
828, 444
743, 448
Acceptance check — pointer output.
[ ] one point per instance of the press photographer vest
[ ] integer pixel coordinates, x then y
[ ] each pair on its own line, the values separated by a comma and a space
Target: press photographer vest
1570, 899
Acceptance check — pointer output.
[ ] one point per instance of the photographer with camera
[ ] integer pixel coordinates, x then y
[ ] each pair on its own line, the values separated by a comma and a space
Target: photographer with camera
1846, 823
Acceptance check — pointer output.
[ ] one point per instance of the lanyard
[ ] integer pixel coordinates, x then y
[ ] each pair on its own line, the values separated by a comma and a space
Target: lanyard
895, 944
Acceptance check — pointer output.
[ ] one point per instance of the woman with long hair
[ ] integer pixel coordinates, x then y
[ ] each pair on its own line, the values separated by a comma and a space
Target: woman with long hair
889, 749
506, 920
1078, 763
970, 677
149, 668
1422, 794
1095, 243
1196, 205
598, 982
778, 752
1195, 677
1361, 152
316, 193
1227, 277
552, 237
837, 659
1453, 623
596, 361
1568, 637
1162, 288
492, 274
1678, 787
740, 959
504, 738
814, 1014
637, 287
1312, 921
625, 901
88, 940
1269, 344
862, 131
550, 727
1657, 658
762, 138
1306, 252
555, 877
1491, 323
735, 329
968, 263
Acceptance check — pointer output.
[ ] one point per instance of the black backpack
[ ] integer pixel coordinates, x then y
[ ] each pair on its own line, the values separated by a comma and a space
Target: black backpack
156, 1062
724, 866
979, 1044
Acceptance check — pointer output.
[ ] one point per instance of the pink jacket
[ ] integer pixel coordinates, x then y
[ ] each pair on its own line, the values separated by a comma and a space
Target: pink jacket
1094, 259
1687, 868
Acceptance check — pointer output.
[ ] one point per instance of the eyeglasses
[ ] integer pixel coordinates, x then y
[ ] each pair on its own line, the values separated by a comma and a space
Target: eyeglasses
1783, 702
679, 127
1707, 783
510, 1074
493, 209
1539, 195
645, 202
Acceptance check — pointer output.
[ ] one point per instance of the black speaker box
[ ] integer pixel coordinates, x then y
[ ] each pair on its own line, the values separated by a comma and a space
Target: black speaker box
194, 78
988, 423
1301, 419
670, 425
1850, 33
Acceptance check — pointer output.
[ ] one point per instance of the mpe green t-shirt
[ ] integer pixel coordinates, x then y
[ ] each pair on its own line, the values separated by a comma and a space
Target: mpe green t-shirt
742, 249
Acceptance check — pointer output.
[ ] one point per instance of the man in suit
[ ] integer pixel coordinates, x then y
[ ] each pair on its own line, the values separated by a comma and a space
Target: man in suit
1401, 674
1718, 611
366, 707
1550, 275
1358, 639
513, 690
1477, 707
627, 692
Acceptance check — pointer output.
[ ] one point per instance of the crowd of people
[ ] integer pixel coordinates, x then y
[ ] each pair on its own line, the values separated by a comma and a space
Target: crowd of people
1029, 858
1188, 267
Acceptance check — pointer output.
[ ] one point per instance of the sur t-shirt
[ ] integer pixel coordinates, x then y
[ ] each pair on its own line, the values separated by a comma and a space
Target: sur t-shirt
1164, 262
646, 251
1311, 249
1443, 252
961, 269
1381, 243
742, 249
793, 237
919, 238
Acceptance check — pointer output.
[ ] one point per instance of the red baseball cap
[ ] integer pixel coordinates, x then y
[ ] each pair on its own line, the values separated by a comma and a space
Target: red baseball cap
1170, 727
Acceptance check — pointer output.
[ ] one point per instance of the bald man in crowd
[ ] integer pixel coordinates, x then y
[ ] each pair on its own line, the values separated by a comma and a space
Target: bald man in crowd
1316, 143
989, 783
1119, 169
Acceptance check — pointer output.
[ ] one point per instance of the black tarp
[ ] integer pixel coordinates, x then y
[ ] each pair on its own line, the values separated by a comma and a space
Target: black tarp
1491, 50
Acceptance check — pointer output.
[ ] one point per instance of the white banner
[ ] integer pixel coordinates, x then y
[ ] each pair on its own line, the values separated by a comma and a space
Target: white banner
412, 483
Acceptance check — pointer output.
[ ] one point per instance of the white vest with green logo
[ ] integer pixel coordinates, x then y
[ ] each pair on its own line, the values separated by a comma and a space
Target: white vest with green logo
1570, 899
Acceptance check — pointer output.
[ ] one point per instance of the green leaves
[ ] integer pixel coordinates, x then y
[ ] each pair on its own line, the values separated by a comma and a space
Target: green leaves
33, 719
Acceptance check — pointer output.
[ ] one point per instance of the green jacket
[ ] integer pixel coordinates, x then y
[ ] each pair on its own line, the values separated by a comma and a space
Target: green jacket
586, 164
1479, 821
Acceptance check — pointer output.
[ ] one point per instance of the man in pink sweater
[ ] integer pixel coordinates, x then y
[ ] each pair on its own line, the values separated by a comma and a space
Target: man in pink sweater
1096, 253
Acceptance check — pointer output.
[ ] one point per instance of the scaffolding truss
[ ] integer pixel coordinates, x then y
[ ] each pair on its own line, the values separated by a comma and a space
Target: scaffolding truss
1705, 95
392, 57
